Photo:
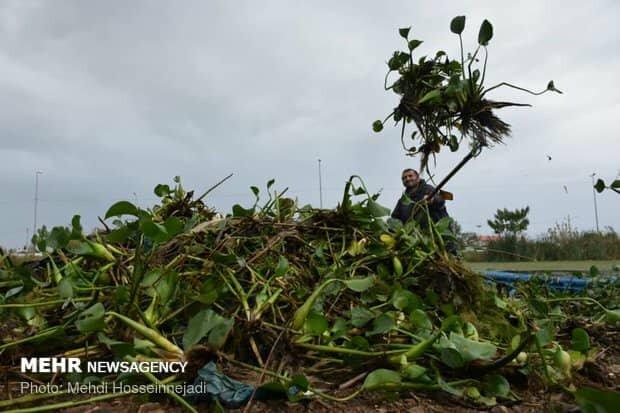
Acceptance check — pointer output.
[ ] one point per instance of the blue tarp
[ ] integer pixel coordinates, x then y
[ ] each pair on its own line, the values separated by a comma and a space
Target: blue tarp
554, 282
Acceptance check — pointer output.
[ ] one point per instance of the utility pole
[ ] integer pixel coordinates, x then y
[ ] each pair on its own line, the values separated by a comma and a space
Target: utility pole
320, 186
595, 205
36, 200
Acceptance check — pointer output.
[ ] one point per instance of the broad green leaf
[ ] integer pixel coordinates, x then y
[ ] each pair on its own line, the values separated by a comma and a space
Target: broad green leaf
359, 284
154, 230
300, 381
162, 190
381, 378
404, 32
413, 371
457, 25
615, 184
600, 185
173, 226
546, 333
612, 316
413, 44
358, 343
597, 401
218, 335
486, 33
239, 211
65, 288
452, 358
495, 385
377, 210
381, 325
405, 300
420, 320
580, 340
316, 324
360, 316
122, 208
91, 319
207, 322
473, 350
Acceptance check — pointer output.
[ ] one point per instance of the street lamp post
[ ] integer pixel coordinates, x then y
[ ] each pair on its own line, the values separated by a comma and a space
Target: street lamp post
36, 200
320, 186
595, 205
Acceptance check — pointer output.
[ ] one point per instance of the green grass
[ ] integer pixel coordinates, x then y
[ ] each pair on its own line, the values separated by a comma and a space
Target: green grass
566, 266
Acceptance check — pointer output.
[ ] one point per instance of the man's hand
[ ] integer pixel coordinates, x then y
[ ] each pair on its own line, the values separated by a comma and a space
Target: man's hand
427, 198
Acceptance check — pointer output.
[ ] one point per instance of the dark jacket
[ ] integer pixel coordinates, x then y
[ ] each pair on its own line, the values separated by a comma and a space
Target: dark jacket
436, 209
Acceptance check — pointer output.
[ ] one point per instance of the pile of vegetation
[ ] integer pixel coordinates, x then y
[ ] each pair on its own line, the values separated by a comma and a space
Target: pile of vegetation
308, 299
310, 304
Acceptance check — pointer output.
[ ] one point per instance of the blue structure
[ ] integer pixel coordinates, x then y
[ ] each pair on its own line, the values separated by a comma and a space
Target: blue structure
554, 282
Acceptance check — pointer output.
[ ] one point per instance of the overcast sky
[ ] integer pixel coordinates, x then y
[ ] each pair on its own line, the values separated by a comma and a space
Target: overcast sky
108, 99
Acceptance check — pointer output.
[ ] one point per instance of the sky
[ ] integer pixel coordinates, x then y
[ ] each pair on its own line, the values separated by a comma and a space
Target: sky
108, 99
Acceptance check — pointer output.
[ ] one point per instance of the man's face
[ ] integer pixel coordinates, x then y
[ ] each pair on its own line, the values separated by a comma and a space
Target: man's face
410, 179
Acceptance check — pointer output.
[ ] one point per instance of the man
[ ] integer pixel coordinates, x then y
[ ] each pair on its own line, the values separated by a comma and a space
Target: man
416, 191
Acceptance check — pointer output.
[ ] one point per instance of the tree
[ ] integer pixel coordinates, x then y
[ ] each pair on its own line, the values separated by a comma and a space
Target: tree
508, 222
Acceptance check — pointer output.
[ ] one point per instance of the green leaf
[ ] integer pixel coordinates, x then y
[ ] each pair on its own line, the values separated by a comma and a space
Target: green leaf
282, 267
377, 210
154, 230
432, 95
162, 190
413, 371
452, 358
255, 190
405, 300
377, 126
495, 385
414, 44
381, 325
612, 316
600, 185
207, 322
597, 401
420, 320
473, 350
404, 32
381, 378
65, 288
615, 184
580, 340
359, 284
239, 211
76, 227
486, 33
173, 226
91, 319
316, 324
300, 381
457, 25
360, 316
122, 208
546, 333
